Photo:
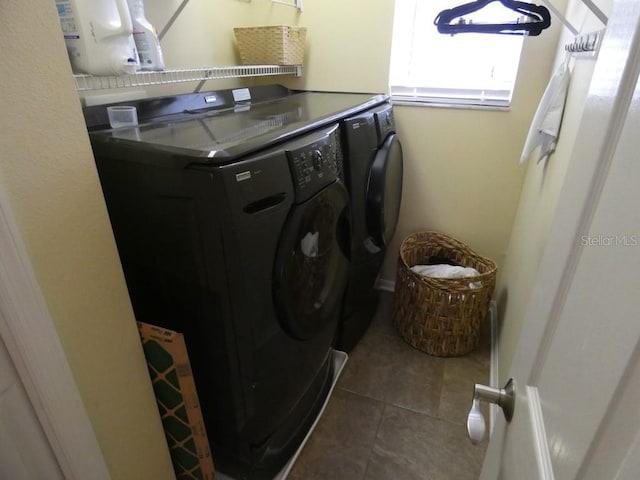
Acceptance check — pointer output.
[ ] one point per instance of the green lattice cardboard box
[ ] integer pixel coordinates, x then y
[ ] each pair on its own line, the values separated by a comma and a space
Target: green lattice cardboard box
177, 399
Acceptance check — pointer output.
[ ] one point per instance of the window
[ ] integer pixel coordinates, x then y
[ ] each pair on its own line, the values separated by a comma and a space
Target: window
469, 69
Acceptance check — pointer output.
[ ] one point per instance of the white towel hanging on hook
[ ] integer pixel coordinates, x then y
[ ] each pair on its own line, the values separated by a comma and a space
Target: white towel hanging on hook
545, 127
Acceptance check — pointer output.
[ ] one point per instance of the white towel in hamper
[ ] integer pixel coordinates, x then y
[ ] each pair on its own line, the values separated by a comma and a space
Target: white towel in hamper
545, 126
447, 271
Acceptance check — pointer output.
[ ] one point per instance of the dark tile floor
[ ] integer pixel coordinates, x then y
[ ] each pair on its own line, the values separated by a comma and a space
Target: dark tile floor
397, 413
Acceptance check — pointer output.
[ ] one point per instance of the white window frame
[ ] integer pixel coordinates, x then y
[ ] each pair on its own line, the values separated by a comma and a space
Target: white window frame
411, 22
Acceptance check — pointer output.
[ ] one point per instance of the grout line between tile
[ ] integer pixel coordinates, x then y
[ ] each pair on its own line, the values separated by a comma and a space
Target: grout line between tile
375, 439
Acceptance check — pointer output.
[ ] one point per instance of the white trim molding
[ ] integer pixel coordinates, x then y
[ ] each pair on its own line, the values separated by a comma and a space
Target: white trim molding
543, 457
494, 371
28, 332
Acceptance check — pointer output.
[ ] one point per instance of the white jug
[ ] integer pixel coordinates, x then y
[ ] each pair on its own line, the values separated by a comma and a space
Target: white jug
98, 34
146, 38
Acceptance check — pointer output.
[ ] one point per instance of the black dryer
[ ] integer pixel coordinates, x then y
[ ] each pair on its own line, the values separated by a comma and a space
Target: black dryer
373, 174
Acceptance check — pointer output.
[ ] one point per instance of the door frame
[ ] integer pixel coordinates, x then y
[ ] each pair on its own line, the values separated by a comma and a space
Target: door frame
29, 333
610, 95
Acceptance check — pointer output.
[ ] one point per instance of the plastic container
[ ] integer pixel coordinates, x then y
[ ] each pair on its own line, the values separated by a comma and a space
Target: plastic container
146, 38
98, 36
122, 116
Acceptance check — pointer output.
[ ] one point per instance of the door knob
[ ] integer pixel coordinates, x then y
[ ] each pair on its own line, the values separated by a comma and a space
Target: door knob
503, 397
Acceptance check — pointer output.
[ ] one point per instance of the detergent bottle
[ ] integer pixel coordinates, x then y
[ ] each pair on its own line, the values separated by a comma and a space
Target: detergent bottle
98, 35
146, 38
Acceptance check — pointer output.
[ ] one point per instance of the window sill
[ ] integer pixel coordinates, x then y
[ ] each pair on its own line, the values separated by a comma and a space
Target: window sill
444, 104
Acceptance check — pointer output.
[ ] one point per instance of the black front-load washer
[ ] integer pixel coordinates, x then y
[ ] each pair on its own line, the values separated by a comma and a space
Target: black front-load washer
233, 228
373, 172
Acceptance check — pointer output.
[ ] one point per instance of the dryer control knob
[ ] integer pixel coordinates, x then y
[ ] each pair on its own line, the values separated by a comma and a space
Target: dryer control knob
317, 159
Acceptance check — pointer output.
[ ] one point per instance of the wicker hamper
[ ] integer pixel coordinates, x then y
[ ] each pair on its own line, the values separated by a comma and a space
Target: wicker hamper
441, 316
273, 45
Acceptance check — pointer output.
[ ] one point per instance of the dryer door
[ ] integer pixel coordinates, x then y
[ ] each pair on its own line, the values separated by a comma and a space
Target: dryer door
311, 267
384, 191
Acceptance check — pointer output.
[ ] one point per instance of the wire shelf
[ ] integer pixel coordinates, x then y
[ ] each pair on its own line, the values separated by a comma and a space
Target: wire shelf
143, 79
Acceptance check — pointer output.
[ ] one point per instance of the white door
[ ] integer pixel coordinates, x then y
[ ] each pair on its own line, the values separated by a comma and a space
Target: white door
45, 431
577, 364
25, 453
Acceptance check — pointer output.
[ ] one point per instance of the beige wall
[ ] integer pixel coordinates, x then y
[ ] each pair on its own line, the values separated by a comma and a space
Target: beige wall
540, 192
47, 170
461, 177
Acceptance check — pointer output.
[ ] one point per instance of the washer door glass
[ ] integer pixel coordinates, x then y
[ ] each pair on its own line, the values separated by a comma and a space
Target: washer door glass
384, 191
311, 267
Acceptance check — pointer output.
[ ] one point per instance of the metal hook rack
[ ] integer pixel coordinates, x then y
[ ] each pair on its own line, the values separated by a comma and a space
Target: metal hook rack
588, 43
583, 44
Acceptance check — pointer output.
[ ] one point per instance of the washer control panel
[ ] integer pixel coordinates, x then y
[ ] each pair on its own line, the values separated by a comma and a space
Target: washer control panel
315, 161
384, 122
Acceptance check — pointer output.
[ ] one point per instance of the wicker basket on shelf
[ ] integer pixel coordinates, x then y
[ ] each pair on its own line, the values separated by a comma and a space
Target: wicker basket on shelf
273, 45
441, 316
